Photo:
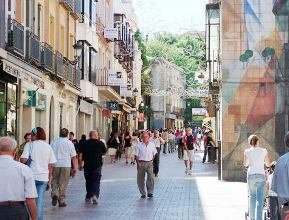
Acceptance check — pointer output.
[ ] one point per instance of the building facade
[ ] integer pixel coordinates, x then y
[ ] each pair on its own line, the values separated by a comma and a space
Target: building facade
254, 91
166, 104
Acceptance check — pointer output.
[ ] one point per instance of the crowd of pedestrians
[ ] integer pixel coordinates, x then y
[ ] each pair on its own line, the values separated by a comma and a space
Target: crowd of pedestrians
36, 166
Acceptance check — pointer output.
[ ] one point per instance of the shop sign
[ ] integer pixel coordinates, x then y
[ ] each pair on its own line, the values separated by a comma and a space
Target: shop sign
22, 74
40, 102
141, 117
115, 78
86, 107
112, 105
126, 91
106, 113
111, 33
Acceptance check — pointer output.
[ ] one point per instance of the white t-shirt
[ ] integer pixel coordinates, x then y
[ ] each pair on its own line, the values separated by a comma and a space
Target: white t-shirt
16, 182
256, 157
63, 151
42, 155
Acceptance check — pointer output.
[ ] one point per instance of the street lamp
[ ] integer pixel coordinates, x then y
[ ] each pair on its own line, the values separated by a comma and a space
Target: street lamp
78, 46
135, 92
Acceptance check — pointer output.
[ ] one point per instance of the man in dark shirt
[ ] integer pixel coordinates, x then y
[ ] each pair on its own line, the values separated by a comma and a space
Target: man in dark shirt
91, 153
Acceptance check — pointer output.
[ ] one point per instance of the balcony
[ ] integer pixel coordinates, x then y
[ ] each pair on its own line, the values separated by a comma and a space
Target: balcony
32, 47
15, 37
59, 64
70, 72
68, 4
47, 56
76, 76
101, 77
77, 9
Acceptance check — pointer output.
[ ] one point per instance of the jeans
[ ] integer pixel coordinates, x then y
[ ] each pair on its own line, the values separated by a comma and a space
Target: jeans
92, 178
274, 208
41, 188
256, 184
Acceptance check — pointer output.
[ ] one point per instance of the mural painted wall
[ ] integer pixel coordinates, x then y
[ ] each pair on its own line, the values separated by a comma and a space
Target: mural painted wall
252, 97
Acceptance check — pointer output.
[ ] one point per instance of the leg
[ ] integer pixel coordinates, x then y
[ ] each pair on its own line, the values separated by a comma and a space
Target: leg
252, 196
40, 187
96, 182
88, 184
55, 182
150, 178
274, 207
205, 154
63, 182
260, 197
141, 179
210, 154
156, 162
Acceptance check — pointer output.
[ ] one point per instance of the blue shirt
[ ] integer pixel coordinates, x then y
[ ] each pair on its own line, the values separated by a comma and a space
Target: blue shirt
280, 182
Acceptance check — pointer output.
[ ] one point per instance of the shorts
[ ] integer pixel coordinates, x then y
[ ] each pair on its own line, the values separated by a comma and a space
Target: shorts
111, 151
189, 155
128, 151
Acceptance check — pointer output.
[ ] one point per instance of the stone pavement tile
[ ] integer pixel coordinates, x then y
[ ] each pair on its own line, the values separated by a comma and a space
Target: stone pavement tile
177, 196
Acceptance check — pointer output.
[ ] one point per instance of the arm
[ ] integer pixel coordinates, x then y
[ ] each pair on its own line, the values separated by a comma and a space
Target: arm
80, 165
50, 169
162, 140
246, 161
31, 205
74, 165
267, 160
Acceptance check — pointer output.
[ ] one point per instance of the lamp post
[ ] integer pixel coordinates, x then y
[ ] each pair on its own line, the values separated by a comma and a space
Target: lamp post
78, 47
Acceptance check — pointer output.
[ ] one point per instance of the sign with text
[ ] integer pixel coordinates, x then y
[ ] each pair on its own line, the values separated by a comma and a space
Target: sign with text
199, 111
111, 33
112, 105
115, 78
126, 91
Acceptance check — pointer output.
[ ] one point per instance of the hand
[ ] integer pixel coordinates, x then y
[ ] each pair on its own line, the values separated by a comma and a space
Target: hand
73, 172
80, 167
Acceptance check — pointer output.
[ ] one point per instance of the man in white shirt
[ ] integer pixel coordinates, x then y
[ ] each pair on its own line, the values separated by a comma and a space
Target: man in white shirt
65, 154
144, 154
17, 185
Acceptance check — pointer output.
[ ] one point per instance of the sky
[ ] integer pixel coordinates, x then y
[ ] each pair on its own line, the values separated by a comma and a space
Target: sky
176, 16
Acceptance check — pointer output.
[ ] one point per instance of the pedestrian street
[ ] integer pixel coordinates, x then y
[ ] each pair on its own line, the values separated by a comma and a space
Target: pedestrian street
176, 196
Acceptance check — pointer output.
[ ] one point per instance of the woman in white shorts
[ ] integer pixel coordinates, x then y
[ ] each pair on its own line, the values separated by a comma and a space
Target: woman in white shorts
112, 145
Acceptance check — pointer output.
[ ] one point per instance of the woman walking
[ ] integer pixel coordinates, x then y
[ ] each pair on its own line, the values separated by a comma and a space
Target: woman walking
43, 158
254, 158
112, 145
134, 143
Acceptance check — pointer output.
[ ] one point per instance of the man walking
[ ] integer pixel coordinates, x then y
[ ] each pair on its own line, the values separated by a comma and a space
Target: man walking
91, 153
158, 141
144, 154
66, 155
280, 182
17, 185
189, 150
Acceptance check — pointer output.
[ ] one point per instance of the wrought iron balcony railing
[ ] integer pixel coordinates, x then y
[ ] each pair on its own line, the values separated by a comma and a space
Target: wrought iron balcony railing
59, 64
15, 37
32, 47
101, 77
69, 4
47, 56
76, 76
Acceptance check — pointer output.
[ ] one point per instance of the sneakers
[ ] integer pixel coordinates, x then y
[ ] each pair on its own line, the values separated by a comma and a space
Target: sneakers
187, 171
143, 196
150, 195
94, 200
190, 172
54, 200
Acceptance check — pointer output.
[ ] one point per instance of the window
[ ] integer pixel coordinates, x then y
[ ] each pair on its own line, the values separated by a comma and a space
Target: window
62, 39
51, 31
71, 50
92, 12
39, 21
92, 69
85, 62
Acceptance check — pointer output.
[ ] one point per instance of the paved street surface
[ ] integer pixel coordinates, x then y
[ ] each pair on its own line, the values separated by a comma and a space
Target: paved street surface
177, 196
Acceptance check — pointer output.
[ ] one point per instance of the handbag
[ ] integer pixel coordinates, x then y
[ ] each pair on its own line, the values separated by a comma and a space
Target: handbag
29, 160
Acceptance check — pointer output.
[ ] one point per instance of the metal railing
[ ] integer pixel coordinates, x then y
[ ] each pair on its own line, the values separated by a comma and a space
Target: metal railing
47, 56
101, 77
15, 37
69, 4
76, 76
59, 64
32, 47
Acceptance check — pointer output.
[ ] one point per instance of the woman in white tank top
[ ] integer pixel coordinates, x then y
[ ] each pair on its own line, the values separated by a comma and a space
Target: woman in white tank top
254, 159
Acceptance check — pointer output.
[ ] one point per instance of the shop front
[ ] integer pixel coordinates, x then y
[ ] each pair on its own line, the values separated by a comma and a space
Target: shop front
8, 105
